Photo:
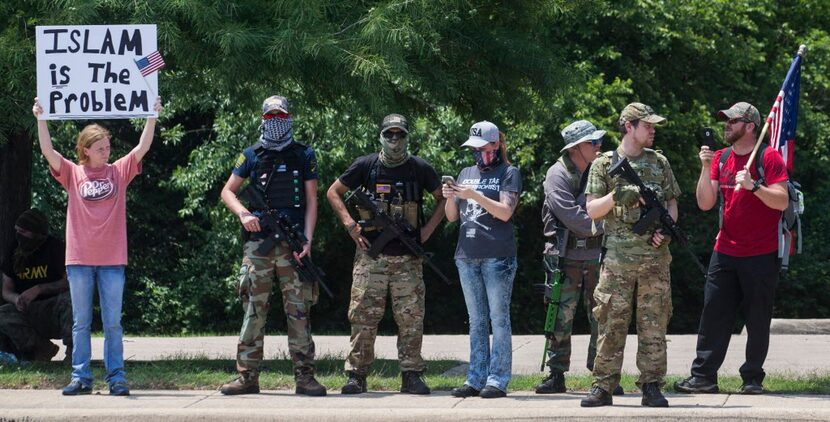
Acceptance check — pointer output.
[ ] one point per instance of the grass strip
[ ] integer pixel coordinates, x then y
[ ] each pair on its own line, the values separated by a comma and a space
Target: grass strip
199, 373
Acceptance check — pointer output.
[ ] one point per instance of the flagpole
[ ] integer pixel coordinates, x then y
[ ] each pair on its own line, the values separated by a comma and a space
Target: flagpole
802, 50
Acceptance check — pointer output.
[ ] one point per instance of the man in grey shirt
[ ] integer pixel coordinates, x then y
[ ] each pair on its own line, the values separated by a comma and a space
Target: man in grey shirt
568, 228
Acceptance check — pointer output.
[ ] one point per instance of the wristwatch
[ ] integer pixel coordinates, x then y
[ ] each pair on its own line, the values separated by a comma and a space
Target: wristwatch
757, 185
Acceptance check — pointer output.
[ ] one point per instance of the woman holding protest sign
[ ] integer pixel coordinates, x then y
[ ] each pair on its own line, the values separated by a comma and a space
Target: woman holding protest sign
96, 241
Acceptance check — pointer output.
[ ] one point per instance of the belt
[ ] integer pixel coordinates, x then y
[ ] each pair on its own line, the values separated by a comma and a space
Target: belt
584, 242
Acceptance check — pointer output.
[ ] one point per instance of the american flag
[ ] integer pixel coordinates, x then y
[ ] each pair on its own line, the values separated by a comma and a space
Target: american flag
783, 117
150, 64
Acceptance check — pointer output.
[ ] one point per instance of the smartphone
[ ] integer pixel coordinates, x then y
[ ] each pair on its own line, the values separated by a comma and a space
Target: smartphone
447, 180
707, 138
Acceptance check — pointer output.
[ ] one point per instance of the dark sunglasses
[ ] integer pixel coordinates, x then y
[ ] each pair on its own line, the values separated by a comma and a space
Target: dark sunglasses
735, 121
595, 142
390, 135
278, 114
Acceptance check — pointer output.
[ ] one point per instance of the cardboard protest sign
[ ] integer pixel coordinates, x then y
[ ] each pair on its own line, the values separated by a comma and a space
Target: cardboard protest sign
91, 71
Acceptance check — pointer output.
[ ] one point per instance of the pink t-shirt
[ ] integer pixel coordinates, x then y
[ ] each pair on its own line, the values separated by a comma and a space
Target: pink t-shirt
749, 228
96, 216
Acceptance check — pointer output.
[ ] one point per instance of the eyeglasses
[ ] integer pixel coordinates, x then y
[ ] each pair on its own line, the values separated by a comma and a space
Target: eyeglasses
279, 114
595, 142
736, 121
394, 135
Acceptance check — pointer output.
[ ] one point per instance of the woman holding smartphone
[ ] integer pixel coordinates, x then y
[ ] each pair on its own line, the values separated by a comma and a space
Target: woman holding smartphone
484, 200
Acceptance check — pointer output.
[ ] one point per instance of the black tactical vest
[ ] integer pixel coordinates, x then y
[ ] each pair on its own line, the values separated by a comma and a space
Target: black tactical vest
397, 193
279, 175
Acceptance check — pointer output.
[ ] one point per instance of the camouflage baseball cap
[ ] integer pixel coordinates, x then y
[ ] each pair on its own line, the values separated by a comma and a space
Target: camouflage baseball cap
741, 110
640, 111
275, 102
580, 131
394, 120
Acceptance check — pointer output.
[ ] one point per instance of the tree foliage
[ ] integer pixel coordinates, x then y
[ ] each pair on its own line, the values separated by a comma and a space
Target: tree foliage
530, 66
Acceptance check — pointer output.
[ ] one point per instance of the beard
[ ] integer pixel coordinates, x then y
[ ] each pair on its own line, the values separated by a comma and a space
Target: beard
732, 136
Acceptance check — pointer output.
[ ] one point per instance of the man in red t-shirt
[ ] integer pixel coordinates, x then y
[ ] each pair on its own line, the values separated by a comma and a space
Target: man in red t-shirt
743, 270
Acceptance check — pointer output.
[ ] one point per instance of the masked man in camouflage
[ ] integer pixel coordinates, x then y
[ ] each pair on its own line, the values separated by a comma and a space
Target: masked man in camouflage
636, 267
396, 180
285, 173
569, 229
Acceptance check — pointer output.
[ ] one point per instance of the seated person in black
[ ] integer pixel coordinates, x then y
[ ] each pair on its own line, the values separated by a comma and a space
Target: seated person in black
35, 288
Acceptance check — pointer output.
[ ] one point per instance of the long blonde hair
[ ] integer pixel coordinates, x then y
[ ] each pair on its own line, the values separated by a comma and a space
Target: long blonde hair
88, 136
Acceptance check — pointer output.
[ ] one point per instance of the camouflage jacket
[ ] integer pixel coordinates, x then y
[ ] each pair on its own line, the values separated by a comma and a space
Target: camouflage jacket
655, 171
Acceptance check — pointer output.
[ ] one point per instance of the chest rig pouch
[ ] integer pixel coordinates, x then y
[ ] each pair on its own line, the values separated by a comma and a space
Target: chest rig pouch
652, 175
398, 196
279, 175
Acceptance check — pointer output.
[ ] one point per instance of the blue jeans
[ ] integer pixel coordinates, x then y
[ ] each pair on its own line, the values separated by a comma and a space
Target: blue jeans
487, 285
110, 282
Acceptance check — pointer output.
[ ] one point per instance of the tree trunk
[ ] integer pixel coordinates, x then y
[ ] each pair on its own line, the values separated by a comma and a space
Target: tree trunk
15, 185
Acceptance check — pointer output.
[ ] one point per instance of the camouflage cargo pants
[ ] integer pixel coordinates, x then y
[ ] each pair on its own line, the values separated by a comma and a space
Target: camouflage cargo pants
401, 278
578, 278
256, 277
25, 335
622, 279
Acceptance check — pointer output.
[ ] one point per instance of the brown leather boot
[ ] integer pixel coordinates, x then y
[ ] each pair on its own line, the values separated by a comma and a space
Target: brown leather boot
308, 385
247, 383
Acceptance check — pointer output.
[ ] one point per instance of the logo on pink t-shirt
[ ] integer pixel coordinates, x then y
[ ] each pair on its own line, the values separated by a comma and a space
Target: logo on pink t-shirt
97, 190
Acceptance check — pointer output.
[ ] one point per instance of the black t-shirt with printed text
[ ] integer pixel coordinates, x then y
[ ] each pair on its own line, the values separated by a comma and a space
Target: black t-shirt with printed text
480, 234
45, 265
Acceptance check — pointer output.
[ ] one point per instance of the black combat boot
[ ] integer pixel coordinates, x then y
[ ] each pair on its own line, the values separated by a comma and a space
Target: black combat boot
597, 397
696, 385
308, 385
752, 386
247, 383
652, 397
356, 384
412, 383
552, 384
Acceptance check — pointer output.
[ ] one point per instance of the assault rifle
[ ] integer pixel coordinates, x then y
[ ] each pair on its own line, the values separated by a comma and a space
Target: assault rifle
392, 227
279, 228
654, 209
551, 291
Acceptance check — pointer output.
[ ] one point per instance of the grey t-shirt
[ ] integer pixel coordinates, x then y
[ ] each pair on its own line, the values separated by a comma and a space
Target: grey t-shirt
569, 209
481, 235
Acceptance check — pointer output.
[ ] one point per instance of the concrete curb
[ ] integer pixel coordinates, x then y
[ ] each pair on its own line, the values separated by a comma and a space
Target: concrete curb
378, 406
800, 326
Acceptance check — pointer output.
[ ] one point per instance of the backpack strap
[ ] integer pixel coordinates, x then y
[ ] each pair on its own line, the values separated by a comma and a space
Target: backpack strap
723, 157
759, 163
583, 181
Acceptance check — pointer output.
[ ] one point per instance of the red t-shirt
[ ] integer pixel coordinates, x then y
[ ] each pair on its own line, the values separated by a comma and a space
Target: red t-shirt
96, 213
749, 227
